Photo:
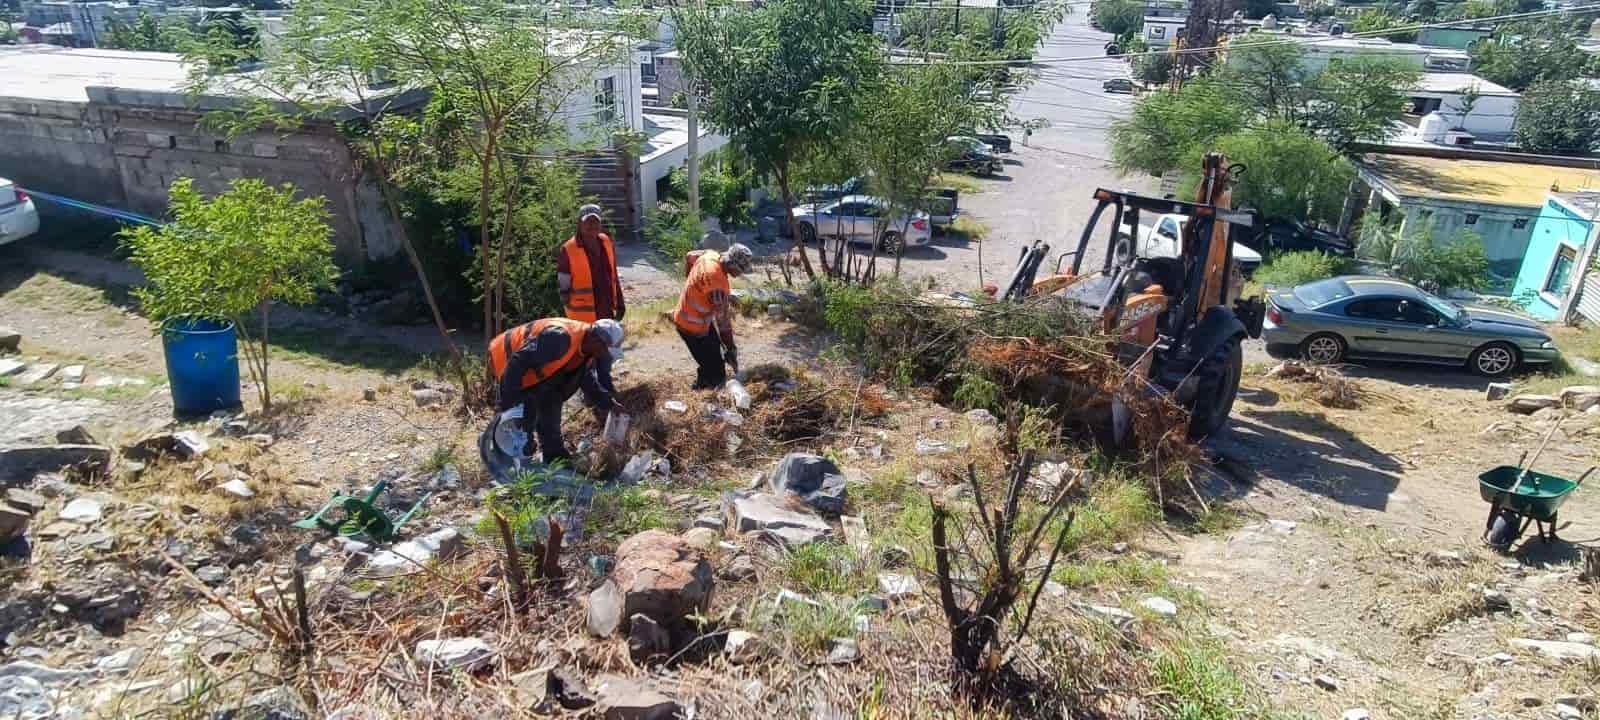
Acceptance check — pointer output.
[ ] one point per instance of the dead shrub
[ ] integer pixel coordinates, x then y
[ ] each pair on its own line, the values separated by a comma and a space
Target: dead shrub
1328, 386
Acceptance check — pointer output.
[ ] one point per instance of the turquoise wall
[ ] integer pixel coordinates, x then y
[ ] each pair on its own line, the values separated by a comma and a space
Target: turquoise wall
1555, 226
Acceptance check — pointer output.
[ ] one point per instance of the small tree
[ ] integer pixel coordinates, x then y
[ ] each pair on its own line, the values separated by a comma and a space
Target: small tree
1289, 172
778, 78
232, 257
1118, 17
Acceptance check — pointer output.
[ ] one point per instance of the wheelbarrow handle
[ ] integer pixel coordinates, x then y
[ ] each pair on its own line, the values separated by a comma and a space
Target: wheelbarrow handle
1522, 460
1584, 476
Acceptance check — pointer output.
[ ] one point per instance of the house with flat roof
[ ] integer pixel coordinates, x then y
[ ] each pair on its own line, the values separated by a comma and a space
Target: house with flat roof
1498, 196
1321, 49
1557, 281
1466, 103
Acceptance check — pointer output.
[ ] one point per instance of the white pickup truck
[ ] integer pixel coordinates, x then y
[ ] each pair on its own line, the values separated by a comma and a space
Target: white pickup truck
1162, 240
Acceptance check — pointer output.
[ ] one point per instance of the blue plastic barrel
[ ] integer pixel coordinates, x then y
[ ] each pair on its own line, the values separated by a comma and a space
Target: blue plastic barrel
202, 365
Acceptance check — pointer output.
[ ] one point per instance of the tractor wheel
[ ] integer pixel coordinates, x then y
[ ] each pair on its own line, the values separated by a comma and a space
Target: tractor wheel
1219, 385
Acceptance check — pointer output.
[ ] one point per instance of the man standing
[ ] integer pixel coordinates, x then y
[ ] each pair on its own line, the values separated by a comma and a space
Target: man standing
542, 363
706, 301
586, 272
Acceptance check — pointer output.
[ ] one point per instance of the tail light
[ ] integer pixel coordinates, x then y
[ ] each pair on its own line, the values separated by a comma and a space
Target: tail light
919, 224
1273, 314
22, 197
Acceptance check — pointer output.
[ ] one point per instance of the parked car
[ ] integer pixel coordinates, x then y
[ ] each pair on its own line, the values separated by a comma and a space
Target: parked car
972, 155
1163, 238
942, 207
1000, 142
855, 218
1293, 235
1118, 85
1361, 316
826, 193
18, 217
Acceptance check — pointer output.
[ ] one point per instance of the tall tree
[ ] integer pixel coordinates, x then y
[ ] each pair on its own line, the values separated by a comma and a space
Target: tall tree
777, 79
1118, 17
1157, 136
1289, 173
1559, 117
1521, 55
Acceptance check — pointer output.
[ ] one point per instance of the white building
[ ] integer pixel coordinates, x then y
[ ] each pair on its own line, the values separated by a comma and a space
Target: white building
1161, 32
1466, 103
1322, 49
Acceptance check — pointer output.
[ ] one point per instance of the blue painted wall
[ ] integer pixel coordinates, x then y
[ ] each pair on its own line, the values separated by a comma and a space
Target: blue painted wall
1555, 226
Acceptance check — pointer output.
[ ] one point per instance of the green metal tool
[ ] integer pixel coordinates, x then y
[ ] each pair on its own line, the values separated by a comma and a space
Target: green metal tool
362, 516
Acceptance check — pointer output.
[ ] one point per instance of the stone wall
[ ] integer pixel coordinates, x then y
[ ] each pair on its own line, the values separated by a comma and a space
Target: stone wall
124, 150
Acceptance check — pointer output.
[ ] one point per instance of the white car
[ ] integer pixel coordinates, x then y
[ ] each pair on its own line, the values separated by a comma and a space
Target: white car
1163, 239
18, 218
856, 217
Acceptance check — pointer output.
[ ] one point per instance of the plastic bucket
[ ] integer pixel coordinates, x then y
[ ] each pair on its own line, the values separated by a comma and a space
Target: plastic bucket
202, 365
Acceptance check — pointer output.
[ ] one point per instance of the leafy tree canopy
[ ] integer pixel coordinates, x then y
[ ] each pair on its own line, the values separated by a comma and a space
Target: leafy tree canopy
1558, 117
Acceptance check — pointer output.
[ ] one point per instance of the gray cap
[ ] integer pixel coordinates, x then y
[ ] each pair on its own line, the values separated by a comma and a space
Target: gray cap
610, 332
587, 210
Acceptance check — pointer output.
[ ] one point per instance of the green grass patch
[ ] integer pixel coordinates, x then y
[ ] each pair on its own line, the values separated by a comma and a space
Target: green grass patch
1573, 342
1198, 684
1119, 573
808, 628
319, 348
960, 183
829, 567
626, 511
970, 228
1117, 510
438, 458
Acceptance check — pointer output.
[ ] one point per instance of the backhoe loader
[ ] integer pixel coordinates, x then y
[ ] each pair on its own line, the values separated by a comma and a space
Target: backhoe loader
1178, 321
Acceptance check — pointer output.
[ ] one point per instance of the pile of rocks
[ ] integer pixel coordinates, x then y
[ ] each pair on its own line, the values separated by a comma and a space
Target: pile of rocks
1577, 398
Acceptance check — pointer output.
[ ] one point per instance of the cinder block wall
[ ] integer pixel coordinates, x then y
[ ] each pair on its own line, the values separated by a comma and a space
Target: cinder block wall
124, 150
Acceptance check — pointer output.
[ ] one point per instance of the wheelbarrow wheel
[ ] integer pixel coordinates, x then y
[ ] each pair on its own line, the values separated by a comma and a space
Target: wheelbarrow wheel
1504, 530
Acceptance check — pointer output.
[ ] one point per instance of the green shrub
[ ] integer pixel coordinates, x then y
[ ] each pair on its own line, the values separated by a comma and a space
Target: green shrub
1415, 256
977, 391
673, 234
1297, 268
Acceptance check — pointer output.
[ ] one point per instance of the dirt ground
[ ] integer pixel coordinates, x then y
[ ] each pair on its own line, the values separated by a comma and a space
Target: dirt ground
1345, 571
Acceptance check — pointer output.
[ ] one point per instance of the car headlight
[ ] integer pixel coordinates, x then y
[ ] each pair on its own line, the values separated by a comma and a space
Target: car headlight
1548, 345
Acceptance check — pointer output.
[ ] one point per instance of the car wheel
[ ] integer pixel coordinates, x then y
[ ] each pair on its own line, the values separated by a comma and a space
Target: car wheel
808, 234
1323, 349
1493, 360
891, 243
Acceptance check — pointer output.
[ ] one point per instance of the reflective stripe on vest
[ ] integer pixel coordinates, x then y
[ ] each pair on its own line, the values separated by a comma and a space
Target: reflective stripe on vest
506, 344
580, 300
695, 307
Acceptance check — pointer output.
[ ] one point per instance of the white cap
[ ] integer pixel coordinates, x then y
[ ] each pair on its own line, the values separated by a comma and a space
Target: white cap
587, 210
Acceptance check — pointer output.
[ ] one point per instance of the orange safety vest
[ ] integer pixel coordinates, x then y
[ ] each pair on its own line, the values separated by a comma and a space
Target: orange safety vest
505, 344
695, 306
580, 301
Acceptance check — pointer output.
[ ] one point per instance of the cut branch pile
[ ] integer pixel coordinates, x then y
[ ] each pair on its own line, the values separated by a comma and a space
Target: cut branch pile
1330, 388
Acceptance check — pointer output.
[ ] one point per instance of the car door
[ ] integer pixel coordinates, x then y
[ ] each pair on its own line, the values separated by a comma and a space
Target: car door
865, 229
1416, 333
1440, 337
827, 219
1368, 323
847, 220
1164, 239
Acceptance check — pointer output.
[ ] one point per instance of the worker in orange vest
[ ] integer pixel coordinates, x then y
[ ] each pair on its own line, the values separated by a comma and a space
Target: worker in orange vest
586, 272
542, 363
705, 312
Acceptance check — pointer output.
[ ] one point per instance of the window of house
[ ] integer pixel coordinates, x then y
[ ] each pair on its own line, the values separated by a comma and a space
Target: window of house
1472, 218
1519, 224
605, 100
1561, 271
1156, 31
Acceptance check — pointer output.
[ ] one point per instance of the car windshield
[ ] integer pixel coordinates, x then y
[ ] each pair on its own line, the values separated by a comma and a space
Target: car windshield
1448, 309
1322, 292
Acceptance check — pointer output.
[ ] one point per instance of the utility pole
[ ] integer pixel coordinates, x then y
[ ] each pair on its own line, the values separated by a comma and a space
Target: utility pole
999, 28
692, 100
958, 18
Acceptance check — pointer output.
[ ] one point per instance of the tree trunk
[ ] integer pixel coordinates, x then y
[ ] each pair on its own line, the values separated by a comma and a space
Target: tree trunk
266, 388
485, 252
395, 214
900, 248
788, 221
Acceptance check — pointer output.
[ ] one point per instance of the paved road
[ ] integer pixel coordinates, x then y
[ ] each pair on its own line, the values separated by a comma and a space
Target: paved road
1046, 192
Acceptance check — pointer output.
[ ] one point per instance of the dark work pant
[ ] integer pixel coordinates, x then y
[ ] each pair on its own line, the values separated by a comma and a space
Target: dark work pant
707, 352
541, 409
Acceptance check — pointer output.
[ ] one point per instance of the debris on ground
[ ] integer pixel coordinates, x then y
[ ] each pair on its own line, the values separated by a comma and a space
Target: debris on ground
1331, 387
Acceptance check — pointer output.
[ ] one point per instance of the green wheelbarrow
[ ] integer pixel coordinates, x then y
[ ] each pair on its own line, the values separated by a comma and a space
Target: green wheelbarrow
1519, 497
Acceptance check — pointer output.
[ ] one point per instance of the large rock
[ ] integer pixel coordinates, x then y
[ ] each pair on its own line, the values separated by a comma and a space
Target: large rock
763, 512
10, 340
1580, 397
628, 699
36, 374
815, 479
1530, 404
13, 522
412, 555
86, 509
186, 444
1496, 391
9, 367
19, 463
657, 575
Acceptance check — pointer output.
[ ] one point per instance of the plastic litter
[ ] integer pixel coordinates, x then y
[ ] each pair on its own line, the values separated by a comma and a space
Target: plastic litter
741, 397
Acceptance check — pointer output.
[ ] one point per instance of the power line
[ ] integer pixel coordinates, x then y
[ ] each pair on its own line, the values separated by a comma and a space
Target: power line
1268, 43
